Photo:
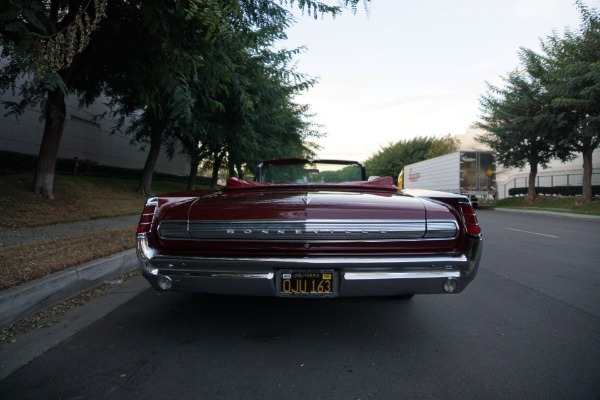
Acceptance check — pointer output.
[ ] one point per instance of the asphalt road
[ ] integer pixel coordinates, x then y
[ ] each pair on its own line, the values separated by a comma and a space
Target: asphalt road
528, 327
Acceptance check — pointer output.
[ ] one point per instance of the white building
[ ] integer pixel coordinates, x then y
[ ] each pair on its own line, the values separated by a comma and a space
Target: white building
83, 138
557, 174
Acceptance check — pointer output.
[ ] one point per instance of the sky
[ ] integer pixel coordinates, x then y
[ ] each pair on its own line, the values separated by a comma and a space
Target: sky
411, 68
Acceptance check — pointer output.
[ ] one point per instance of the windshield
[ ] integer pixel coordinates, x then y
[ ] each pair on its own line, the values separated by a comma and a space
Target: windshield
307, 171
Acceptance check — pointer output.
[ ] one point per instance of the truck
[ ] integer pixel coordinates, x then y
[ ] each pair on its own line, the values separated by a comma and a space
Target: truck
472, 173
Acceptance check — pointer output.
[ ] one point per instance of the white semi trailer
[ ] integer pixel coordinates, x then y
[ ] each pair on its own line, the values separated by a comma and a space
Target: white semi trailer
472, 173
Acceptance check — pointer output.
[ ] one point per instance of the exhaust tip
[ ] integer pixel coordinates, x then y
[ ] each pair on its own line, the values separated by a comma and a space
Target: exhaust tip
450, 285
164, 282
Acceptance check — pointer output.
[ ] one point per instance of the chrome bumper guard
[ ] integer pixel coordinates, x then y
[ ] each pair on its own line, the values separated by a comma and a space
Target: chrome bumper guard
358, 276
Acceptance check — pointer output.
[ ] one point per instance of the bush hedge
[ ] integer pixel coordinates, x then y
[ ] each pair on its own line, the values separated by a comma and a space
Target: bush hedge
554, 191
17, 162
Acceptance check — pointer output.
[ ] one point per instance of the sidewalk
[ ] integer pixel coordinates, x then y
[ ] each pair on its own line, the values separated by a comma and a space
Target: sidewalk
49, 232
31, 297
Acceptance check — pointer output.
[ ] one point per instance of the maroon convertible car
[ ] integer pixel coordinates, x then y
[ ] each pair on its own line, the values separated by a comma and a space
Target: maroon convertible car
310, 228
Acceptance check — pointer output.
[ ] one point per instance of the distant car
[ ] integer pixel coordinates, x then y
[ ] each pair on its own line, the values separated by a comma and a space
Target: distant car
310, 228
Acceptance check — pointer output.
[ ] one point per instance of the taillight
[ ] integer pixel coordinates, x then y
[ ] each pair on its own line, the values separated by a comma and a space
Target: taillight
470, 218
145, 224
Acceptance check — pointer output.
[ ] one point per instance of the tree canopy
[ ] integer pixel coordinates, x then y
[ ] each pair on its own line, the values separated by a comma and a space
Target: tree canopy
521, 126
390, 160
173, 68
550, 107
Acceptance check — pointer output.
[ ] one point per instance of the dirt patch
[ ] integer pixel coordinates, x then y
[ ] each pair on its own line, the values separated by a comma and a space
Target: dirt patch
76, 199
26, 262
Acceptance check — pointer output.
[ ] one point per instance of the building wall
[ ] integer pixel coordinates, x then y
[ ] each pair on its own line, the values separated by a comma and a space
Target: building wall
84, 138
557, 173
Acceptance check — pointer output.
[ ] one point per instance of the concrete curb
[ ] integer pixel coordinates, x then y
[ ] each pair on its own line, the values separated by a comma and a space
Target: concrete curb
31, 297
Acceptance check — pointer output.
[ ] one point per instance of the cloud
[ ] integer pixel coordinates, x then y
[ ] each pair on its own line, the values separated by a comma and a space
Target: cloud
552, 9
403, 100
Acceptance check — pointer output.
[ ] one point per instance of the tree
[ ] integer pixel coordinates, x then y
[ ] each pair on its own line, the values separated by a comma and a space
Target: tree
176, 62
521, 126
569, 68
551, 107
42, 43
256, 113
390, 160
27, 28
259, 119
444, 145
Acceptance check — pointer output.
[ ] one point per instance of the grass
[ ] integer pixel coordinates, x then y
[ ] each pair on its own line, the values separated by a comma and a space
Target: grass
77, 198
571, 205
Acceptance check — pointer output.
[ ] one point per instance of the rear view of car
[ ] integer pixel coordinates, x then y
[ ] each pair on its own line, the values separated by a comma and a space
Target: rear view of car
310, 228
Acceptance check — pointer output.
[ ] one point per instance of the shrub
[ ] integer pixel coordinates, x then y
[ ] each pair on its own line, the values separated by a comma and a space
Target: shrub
554, 191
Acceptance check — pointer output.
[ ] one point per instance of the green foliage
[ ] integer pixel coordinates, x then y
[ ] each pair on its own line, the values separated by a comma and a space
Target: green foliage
202, 73
16, 162
551, 107
258, 119
554, 190
351, 173
571, 204
521, 127
572, 75
44, 37
390, 160
444, 145
22, 25
315, 8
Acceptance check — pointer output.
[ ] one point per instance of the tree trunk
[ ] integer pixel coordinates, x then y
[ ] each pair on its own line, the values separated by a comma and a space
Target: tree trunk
194, 163
215, 172
587, 195
531, 193
155, 145
240, 171
231, 168
53, 129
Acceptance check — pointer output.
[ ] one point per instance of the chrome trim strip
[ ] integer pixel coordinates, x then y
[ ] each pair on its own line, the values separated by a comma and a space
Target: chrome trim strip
225, 275
317, 261
364, 276
349, 276
441, 230
144, 252
303, 230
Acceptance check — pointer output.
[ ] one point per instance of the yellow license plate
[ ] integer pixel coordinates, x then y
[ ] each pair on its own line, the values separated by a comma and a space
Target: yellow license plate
307, 283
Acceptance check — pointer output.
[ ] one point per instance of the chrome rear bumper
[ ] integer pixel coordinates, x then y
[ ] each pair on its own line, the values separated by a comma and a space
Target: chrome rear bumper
358, 276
